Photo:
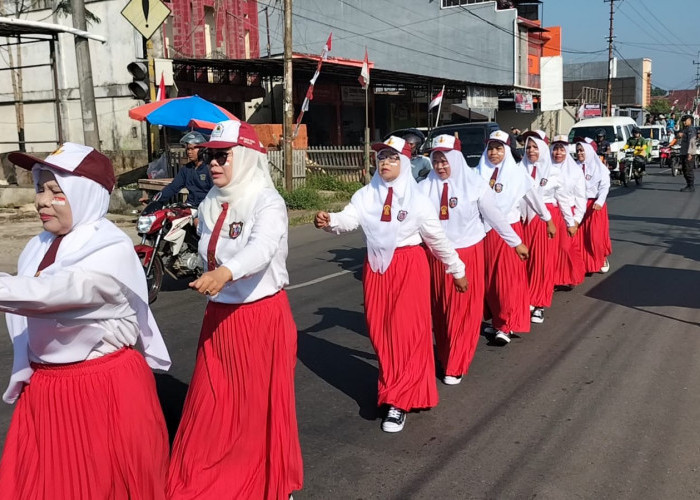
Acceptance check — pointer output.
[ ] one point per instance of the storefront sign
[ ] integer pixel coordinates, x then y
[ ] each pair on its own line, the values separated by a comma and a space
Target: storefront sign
482, 98
523, 103
352, 94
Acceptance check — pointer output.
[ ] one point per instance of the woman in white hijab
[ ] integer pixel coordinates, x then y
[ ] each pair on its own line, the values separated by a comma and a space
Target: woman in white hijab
88, 423
238, 436
507, 295
569, 270
461, 198
395, 218
594, 233
543, 244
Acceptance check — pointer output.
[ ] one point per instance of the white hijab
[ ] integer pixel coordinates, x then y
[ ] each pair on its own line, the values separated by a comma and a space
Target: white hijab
91, 233
594, 167
544, 173
251, 174
384, 237
465, 186
515, 182
572, 178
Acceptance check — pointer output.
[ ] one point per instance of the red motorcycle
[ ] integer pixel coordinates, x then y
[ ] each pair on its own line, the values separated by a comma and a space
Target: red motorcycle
664, 154
169, 243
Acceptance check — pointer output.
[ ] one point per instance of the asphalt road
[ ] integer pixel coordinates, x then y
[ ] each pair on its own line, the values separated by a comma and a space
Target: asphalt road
601, 401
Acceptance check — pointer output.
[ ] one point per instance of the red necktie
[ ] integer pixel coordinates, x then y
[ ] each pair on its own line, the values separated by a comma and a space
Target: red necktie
534, 171
583, 166
444, 213
386, 210
494, 176
50, 256
211, 248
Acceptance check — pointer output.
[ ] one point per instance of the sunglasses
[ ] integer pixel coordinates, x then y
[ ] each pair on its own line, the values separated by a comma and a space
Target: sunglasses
388, 157
220, 155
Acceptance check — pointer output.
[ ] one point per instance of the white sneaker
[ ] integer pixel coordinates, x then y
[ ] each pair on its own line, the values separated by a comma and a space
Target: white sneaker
450, 380
537, 315
606, 266
502, 337
532, 308
394, 421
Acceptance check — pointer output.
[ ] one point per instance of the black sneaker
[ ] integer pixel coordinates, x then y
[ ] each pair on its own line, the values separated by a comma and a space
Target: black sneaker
537, 315
394, 420
688, 189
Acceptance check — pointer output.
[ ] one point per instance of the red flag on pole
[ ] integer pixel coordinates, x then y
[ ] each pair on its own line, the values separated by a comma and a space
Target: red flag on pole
161, 96
364, 73
436, 100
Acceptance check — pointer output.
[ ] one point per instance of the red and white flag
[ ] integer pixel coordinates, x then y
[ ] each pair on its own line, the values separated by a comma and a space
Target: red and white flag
364, 73
161, 95
327, 47
436, 100
310, 91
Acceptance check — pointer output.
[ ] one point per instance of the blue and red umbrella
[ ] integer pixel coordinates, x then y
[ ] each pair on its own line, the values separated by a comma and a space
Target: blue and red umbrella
179, 111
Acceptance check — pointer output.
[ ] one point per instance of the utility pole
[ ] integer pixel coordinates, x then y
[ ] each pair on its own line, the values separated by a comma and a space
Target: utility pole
91, 133
288, 102
610, 58
697, 83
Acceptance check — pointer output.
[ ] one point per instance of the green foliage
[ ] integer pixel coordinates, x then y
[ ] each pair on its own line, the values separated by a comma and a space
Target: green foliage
304, 198
326, 182
657, 92
659, 106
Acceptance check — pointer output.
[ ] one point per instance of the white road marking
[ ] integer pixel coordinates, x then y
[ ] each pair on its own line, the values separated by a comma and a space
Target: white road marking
323, 278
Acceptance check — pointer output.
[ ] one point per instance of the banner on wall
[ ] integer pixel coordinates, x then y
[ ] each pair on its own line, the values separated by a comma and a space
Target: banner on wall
523, 103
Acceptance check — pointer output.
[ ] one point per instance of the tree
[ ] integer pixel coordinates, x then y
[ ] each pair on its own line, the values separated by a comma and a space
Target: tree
657, 92
659, 106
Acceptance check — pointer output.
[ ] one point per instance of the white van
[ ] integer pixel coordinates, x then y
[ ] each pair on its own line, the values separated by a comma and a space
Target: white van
656, 134
617, 130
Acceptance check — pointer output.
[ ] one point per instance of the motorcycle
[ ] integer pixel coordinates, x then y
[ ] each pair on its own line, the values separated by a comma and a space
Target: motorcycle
675, 160
634, 165
169, 244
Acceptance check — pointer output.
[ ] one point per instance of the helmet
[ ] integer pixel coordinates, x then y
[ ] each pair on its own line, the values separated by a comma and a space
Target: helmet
636, 130
412, 138
662, 116
600, 133
192, 138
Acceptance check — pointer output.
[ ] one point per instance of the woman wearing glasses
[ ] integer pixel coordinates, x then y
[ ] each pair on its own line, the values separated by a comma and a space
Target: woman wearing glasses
461, 198
238, 435
396, 218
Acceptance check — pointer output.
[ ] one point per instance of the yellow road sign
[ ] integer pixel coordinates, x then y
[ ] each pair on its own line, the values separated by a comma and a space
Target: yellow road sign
146, 15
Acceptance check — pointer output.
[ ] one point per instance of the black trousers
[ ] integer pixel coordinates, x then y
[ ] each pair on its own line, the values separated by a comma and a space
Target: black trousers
688, 169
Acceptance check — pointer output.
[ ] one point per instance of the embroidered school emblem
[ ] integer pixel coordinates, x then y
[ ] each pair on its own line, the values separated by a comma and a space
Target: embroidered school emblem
492, 182
202, 177
402, 215
543, 182
387, 210
453, 202
589, 177
498, 187
235, 229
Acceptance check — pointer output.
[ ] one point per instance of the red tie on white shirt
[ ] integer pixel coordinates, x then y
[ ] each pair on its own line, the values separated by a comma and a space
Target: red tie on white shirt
386, 210
583, 166
211, 248
444, 213
534, 171
50, 255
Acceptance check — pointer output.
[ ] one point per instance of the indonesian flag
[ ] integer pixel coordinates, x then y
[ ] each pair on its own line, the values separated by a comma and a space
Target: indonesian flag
364, 73
436, 100
327, 47
161, 95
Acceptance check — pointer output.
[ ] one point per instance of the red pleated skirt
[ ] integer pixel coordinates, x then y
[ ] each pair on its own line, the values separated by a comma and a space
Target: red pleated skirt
238, 436
507, 295
594, 237
457, 316
543, 257
569, 269
397, 310
85, 431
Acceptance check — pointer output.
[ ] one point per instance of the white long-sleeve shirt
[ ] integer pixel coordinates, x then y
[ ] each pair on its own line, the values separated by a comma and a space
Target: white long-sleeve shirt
430, 232
257, 256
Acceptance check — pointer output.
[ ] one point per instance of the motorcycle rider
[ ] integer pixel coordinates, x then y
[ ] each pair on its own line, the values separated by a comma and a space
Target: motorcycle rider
420, 165
602, 144
194, 175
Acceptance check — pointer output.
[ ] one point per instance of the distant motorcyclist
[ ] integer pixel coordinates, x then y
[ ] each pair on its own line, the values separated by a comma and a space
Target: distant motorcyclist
603, 145
420, 165
637, 142
194, 175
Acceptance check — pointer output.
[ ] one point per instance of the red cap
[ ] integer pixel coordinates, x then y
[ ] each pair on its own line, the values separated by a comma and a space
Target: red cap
230, 133
398, 144
73, 159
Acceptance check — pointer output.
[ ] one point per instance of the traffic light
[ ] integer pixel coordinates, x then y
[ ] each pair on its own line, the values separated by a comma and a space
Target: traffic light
140, 87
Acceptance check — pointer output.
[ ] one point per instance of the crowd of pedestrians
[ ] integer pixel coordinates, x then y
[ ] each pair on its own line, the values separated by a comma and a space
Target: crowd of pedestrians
442, 255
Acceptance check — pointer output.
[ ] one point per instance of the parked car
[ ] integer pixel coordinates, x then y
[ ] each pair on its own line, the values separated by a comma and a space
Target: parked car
617, 130
472, 135
656, 134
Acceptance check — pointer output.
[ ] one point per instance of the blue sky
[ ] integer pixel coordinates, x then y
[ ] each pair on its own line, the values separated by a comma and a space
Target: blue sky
666, 31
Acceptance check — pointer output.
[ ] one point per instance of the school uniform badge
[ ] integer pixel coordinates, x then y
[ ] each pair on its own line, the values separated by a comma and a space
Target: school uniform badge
401, 216
202, 177
589, 177
498, 187
235, 229
453, 202
543, 182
